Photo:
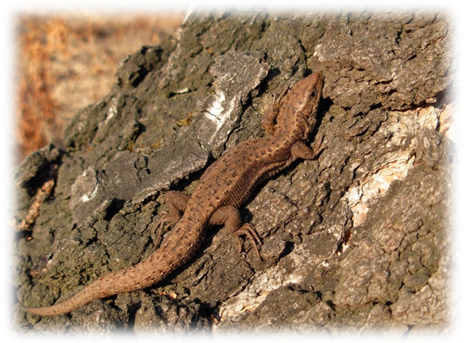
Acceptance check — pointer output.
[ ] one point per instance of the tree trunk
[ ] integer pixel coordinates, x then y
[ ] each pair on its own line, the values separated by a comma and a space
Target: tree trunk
355, 240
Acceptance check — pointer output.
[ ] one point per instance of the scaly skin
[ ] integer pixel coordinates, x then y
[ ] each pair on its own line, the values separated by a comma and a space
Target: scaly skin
224, 187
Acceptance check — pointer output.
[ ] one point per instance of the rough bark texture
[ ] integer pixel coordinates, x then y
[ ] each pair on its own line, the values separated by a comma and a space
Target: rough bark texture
357, 240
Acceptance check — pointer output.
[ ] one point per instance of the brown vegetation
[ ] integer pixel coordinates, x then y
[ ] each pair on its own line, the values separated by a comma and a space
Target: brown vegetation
65, 63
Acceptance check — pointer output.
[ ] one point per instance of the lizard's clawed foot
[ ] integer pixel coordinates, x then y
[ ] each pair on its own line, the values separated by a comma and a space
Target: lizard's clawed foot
166, 221
249, 231
317, 146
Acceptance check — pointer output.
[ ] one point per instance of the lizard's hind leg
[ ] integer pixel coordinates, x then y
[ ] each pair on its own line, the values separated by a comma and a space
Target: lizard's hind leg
230, 217
176, 202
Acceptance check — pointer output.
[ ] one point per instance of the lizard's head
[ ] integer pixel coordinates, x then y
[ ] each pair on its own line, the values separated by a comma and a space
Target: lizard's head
303, 100
305, 95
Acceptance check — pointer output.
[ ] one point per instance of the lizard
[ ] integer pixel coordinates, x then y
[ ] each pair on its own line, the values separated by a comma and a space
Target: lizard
222, 189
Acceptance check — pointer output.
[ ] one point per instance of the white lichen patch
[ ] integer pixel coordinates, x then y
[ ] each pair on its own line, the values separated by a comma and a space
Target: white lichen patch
257, 291
269, 280
446, 121
182, 91
219, 111
394, 166
112, 109
89, 197
85, 188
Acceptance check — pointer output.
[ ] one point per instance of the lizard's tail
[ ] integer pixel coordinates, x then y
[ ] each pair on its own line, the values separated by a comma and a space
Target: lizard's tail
151, 270
85, 296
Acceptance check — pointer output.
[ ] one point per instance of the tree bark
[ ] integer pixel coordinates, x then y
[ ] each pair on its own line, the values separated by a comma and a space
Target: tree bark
356, 240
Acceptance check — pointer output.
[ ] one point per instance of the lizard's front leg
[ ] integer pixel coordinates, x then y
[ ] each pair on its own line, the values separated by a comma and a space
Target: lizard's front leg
230, 217
268, 120
301, 150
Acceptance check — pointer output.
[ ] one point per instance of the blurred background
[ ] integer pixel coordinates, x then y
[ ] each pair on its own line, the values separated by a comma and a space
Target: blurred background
66, 62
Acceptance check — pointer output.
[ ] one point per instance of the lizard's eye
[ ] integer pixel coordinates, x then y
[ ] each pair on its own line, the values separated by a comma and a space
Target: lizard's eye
313, 93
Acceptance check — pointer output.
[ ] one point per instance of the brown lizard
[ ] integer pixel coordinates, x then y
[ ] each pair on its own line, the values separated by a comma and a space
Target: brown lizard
224, 187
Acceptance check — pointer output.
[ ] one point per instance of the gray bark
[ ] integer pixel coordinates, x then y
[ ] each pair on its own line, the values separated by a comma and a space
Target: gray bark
357, 240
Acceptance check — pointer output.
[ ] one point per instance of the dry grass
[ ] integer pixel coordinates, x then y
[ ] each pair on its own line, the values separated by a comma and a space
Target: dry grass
66, 63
